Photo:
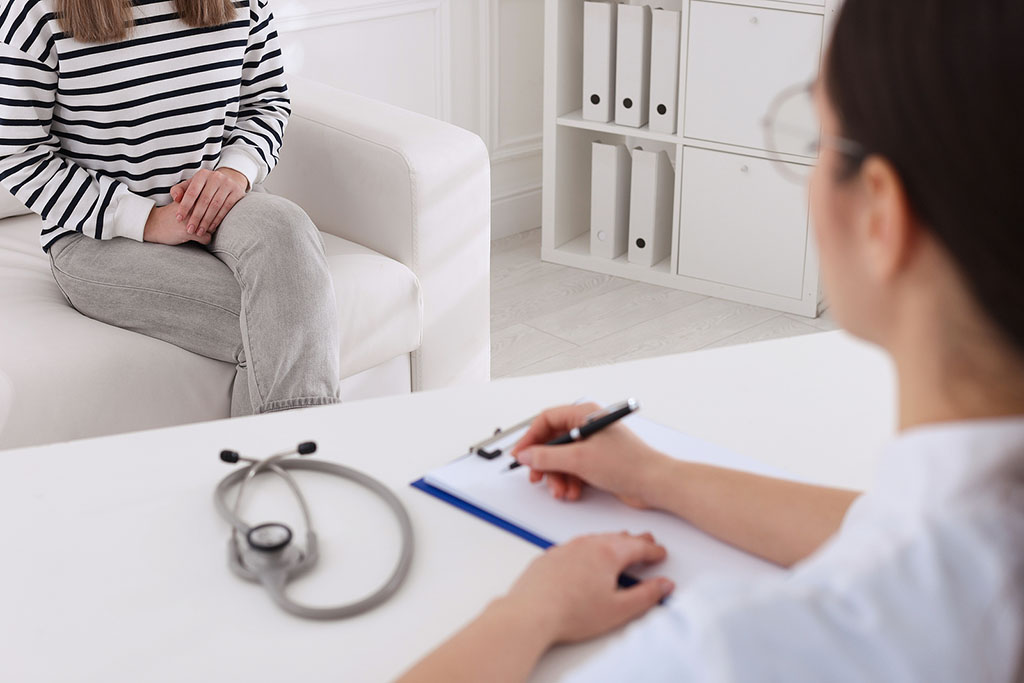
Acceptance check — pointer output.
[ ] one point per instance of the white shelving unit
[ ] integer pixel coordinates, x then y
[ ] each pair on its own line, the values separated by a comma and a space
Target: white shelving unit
740, 229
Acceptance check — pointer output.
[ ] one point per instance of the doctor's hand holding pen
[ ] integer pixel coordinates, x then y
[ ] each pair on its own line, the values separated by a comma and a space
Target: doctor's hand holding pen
614, 459
779, 520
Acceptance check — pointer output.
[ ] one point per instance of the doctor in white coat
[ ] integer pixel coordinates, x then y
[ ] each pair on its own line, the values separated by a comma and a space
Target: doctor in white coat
919, 217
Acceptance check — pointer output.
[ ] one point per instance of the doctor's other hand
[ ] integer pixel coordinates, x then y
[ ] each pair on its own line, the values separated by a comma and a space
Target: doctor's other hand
573, 589
614, 459
207, 197
163, 227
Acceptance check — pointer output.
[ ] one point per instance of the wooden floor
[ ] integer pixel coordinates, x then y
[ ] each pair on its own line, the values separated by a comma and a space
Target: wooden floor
547, 317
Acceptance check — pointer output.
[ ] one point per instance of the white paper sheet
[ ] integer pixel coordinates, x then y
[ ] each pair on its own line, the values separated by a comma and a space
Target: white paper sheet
510, 495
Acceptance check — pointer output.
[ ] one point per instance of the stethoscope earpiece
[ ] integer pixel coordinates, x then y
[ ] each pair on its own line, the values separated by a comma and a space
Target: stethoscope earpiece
268, 556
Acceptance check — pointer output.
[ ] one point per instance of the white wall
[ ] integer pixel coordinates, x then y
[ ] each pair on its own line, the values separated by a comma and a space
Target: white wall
475, 63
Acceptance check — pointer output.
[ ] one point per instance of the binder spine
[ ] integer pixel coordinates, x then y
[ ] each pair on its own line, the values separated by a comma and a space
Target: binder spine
665, 38
650, 215
633, 65
609, 200
599, 38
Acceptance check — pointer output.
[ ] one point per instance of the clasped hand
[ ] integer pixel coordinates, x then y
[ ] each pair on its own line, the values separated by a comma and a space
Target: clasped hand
199, 205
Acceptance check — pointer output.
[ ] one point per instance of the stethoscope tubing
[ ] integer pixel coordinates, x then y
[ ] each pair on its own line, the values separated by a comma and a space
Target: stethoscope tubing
276, 582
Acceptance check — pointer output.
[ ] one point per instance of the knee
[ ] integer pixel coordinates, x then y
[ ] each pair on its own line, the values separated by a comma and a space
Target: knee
277, 223
281, 212
271, 212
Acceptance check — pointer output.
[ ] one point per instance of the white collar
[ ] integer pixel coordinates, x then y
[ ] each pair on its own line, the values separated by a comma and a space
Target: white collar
944, 461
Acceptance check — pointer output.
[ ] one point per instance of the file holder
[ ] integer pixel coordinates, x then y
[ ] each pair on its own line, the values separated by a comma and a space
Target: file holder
650, 208
599, 35
665, 34
633, 65
609, 200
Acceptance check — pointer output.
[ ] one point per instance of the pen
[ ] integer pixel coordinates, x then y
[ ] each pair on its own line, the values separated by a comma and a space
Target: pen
592, 426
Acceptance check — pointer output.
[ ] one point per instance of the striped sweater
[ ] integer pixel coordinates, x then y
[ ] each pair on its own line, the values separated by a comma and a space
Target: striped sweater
92, 136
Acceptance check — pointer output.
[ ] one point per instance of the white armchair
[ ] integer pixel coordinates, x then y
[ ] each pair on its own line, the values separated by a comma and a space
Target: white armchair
403, 201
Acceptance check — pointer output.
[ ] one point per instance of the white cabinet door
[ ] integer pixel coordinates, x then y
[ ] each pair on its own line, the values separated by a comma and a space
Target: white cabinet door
739, 59
742, 223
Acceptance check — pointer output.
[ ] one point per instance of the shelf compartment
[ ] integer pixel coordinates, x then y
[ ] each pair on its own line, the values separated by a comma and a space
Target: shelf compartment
571, 161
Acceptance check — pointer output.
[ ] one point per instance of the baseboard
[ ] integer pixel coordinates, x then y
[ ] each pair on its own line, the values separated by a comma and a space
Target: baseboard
515, 212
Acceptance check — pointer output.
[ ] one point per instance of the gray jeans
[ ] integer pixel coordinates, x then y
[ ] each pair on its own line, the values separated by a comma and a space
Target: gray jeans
259, 296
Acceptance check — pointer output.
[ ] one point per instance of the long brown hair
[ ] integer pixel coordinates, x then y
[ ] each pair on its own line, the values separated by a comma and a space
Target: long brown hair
935, 88
107, 21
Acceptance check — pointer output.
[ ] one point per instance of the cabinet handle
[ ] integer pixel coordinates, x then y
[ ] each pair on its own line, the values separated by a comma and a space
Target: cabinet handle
744, 169
754, 20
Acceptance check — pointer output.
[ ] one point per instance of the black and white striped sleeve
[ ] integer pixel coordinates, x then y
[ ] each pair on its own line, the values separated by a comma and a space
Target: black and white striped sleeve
33, 169
252, 147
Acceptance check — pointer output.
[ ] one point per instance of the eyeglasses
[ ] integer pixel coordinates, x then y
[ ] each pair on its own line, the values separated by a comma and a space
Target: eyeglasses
792, 129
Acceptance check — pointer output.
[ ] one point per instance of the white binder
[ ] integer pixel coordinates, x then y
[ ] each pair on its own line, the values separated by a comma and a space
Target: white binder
664, 70
599, 22
609, 200
650, 213
633, 65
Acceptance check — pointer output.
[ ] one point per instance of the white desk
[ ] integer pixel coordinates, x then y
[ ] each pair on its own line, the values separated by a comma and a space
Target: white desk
114, 564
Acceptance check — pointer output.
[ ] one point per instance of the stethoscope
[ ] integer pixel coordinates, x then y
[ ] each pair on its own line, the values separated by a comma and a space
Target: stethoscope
267, 555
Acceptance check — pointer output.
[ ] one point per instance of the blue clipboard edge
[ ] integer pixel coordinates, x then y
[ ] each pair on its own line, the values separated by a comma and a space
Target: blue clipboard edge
522, 533
625, 580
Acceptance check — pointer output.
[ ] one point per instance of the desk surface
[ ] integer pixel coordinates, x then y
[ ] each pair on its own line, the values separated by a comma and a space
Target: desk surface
114, 566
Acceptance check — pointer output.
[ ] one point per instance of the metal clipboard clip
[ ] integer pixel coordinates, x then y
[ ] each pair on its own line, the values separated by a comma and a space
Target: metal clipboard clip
481, 448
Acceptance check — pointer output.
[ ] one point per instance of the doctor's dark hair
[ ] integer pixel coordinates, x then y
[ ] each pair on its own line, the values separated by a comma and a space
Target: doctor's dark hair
936, 87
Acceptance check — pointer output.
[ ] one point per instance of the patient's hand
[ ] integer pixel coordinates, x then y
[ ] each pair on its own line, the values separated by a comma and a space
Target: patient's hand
207, 197
163, 227
615, 459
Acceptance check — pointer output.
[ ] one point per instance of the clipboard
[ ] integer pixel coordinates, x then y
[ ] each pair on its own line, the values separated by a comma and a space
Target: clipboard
479, 483
484, 449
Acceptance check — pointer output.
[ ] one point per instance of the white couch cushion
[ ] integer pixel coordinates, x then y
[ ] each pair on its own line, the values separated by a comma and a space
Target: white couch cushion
72, 377
9, 206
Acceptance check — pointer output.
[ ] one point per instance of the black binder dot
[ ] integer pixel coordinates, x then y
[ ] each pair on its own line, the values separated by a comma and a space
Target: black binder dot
662, 109
641, 243
627, 103
595, 99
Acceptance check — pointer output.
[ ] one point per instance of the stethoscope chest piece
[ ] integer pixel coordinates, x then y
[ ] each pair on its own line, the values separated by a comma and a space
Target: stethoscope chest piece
269, 537
266, 553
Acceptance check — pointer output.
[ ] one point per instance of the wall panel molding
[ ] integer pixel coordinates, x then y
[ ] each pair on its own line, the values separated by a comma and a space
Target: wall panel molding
490, 87
518, 149
326, 14
475, 63
515, 162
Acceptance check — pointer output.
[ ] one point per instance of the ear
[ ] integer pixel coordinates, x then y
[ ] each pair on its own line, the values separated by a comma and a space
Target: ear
891, 228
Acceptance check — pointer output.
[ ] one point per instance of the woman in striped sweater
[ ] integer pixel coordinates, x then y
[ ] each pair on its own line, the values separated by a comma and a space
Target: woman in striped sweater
137, 130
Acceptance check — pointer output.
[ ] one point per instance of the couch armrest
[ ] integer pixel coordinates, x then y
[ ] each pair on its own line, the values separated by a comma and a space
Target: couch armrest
412, 188
6, 400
